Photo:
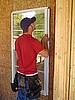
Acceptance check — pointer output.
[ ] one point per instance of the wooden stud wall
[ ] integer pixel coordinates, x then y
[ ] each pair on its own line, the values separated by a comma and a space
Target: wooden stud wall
62, 49
72, 68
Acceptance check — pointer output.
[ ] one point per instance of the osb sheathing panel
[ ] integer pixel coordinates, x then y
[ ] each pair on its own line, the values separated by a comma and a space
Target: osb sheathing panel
50, 3
5, 34
5, 60
6, 7
5, 88
26, 4
19, 5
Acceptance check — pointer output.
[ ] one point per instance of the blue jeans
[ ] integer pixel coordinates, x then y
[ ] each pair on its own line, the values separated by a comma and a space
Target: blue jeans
22, 94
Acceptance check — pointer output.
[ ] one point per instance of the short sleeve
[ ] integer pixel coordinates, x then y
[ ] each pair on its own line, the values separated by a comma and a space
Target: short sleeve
37, 46
16, 45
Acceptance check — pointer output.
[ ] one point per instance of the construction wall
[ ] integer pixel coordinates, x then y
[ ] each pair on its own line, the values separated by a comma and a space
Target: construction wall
64, 67
6, 7
72, 68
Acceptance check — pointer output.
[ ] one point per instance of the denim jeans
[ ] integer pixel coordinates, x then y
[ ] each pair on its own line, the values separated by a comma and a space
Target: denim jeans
22, 94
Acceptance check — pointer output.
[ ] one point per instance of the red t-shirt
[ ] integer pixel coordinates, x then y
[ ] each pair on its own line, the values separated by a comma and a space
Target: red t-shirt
27, 48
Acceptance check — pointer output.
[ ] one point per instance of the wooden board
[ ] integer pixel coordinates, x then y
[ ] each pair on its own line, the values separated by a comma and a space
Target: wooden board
62, 49
72, 69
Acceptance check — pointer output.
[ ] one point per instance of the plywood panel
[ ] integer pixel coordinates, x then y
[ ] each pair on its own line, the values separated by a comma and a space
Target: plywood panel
72, 84
5, 8
72, 69
73, 36
62, 49
28, 4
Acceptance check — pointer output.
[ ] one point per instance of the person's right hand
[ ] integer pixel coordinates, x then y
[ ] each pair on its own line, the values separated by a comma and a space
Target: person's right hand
44, 42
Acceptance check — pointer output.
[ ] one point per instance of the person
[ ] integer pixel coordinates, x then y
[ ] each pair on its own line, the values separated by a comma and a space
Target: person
27, 48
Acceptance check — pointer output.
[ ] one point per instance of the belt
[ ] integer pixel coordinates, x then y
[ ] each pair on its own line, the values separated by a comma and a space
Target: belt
28, 74
31, 77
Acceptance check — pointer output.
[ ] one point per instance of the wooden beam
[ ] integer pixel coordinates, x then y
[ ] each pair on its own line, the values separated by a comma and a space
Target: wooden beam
62, 49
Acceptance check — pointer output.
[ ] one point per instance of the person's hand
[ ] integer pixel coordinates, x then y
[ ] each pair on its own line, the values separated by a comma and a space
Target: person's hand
44, 42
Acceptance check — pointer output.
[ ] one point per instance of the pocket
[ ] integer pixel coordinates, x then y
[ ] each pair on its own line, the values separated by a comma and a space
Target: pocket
34, 87
21, 82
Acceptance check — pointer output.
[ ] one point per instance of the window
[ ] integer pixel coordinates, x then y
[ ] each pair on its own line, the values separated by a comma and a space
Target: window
42, 28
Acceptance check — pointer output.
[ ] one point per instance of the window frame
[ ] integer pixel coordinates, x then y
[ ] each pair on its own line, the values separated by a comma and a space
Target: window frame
46, 60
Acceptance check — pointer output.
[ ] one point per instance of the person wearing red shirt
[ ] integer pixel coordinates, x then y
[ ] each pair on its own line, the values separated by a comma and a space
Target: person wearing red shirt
27, 48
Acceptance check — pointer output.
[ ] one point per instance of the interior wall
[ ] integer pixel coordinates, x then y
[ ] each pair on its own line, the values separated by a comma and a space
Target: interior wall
6, 7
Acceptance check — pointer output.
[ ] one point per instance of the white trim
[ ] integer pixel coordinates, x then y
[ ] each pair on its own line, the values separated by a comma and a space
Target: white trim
28, 74
46, 61
12, 47
28, 10
48, 57
34, 30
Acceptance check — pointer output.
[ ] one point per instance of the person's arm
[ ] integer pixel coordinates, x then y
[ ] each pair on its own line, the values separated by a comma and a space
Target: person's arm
16, 48
16, 55
44, 42
44, 53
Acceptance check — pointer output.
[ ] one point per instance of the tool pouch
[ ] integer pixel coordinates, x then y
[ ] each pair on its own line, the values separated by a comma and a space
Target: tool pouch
14, 86
34, 87
21, 82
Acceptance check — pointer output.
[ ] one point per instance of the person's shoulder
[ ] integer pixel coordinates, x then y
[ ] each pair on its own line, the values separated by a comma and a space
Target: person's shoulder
19, 37
35, 40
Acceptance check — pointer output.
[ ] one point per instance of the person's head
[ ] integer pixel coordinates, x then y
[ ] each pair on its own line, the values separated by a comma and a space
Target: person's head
27, 24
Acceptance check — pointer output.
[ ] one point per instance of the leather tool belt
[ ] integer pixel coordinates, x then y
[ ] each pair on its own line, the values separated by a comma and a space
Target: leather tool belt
33, 87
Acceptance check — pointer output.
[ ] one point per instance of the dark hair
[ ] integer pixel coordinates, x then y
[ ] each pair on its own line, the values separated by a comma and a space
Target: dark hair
24, 31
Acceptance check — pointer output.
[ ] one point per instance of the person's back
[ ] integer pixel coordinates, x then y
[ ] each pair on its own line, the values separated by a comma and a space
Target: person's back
27, 48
